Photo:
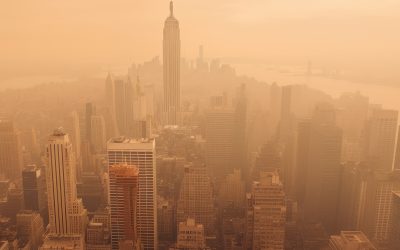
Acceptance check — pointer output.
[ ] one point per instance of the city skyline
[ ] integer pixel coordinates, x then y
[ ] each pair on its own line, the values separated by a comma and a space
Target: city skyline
185, 152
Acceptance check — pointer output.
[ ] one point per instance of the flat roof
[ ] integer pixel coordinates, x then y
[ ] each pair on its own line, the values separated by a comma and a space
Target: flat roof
126, 143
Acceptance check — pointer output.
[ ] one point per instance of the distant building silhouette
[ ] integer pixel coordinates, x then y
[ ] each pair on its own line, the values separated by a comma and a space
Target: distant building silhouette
380, 139
172, 74
220, 144
98, 134
10, 150
323, 173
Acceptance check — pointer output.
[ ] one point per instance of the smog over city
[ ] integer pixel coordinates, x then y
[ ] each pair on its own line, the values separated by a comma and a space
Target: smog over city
200, 125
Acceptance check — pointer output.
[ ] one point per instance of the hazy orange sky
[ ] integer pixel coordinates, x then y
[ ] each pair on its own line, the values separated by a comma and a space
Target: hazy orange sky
44, 34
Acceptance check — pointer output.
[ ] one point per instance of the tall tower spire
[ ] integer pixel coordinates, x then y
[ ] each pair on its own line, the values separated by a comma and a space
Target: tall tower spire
171, 71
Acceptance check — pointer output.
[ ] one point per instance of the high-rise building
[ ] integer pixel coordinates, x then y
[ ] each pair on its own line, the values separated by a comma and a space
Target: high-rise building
377, 205
10, 150
30, 228
350, 240
232, 190
67, 216
123, 203
88, 162
219, 135
89, 112
302, 148
267, 160
109, 114
286, 121
196, 198
351, 118
124, 97
380, 139
140, 153
31, 147
91, 191
73, 242
171, 65
73, 129
98, 136
240, 124
201, 64
97, 236
13, 202
109, 91
323, 173
34, 189
266, 214
395, 220
166, 222
190, 236
353, 177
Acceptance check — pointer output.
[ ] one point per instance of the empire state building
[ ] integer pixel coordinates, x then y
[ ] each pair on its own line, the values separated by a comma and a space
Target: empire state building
171, 64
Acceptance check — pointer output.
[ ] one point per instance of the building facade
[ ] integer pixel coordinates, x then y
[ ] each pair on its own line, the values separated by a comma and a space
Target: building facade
171, 68
10, 150
67, 216
140, 153
123, 203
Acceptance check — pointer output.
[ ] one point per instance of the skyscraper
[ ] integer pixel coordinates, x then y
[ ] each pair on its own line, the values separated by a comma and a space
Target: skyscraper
73, 129
171, 57
395, 220
89, 112
376, 210
33, 189
323, 173
109, 113
266, 213
123, 197
220, 129
232, 190
196, 198
381, 136
240, 124
98, 136
67, 216
142, 155
190, 236
10, 150
123, 99
30, 228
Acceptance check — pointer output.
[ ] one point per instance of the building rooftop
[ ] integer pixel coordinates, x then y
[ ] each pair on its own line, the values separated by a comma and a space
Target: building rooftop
351, 240
354, 236
125, 143
123, 139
